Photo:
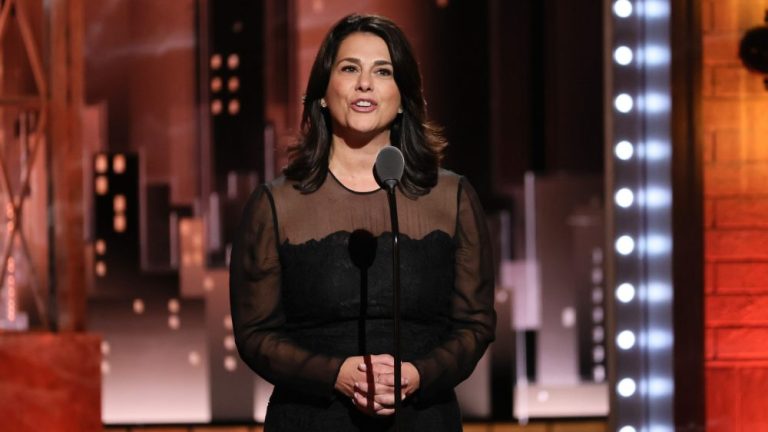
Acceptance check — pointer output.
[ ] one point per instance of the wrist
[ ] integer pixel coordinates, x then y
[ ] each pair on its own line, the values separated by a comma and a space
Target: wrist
345, 382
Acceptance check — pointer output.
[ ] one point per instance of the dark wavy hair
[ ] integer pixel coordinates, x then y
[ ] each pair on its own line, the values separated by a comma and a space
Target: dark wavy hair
421, 143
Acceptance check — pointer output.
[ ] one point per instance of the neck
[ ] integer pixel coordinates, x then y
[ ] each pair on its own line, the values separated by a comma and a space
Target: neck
354, 159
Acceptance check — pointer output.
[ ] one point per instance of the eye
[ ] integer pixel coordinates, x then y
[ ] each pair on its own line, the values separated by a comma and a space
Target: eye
349, 68
384, 72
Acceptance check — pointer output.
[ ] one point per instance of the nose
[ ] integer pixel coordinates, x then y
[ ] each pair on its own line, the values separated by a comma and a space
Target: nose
364, 82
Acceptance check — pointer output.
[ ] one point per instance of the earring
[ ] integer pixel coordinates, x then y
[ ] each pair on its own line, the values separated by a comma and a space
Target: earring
322, 103
400, 110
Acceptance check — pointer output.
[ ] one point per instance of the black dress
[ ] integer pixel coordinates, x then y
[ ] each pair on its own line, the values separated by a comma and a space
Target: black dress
310, 283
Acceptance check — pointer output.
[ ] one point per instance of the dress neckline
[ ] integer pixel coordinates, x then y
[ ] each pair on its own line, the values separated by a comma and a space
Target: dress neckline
336, 179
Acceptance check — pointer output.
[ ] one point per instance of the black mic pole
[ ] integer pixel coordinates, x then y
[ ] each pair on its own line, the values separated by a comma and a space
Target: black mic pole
389, 168
395, 297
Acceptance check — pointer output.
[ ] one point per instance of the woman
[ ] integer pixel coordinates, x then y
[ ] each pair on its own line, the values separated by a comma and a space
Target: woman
311, 270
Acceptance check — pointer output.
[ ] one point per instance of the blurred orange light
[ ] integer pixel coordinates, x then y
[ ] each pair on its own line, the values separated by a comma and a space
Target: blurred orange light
215, 61
101, 268
233, 61
102, 185
119, 203
234, 107
118, 164
119, 223
233, 84
216, 84
101, 247
101, 164
216, 107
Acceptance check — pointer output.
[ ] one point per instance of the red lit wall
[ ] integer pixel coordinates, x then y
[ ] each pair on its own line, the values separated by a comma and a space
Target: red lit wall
735, 144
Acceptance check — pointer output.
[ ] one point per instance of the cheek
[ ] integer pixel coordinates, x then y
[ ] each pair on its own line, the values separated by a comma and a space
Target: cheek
337, 88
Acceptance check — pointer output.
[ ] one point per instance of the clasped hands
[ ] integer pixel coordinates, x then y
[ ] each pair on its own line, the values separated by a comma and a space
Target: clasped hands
370, 382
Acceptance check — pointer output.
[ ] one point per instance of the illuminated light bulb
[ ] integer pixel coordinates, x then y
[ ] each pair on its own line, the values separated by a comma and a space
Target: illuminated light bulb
624, 197
102, 185
101, 164
229, 343
625, 292
228, 322
598, 334
624, 150
174, 306
624, 103
193, 358
627, 429
598, 354
597, 295
233, 107
622, 8
597, 315
101, 268
598, 373
118, 164
216, 107
216, 84
626, 387
233, 84
174, 322
100, 247
105, 348
233, 61
119, 203
119, 223
625, 245
623, 55
138, 306
208, 284
216, 61
625, 340
230, 364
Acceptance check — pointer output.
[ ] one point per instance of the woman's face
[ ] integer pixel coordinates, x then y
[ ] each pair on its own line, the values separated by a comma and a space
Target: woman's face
362, 96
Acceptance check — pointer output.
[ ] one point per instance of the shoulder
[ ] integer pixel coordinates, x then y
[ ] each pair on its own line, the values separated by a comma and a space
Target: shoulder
447, 181
280, 188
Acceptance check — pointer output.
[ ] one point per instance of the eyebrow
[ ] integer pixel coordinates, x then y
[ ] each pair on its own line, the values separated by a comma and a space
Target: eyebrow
358, 62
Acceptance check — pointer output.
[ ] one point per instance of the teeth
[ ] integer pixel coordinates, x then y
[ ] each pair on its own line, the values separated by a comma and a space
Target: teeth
363, 103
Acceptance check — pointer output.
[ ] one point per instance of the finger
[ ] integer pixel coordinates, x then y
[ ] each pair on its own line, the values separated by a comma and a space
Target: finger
367, 403
387, 399
376, 389
376, 367
389, 380
383, 359
385, 412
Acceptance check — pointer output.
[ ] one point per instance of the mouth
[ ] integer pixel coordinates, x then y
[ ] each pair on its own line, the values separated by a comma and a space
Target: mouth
363, 105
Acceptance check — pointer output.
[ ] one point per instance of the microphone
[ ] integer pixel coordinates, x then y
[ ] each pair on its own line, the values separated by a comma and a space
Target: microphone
388, 169
389, 166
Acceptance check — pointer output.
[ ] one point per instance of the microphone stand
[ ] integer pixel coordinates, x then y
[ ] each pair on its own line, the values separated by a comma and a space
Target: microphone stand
395, 296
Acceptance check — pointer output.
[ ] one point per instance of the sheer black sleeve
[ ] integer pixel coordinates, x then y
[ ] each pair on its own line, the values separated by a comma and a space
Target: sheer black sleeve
472, 315
257, 314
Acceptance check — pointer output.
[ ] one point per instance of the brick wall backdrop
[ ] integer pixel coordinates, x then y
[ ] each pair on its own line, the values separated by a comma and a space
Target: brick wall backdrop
735, 144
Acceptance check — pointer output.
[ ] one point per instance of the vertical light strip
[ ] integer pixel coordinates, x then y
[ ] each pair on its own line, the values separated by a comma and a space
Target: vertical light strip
638, 158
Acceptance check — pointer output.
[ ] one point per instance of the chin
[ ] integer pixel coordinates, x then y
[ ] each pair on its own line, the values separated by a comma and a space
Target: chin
365, 129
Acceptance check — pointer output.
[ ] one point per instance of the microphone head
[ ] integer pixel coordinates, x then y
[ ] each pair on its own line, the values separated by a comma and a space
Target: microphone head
389, 166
